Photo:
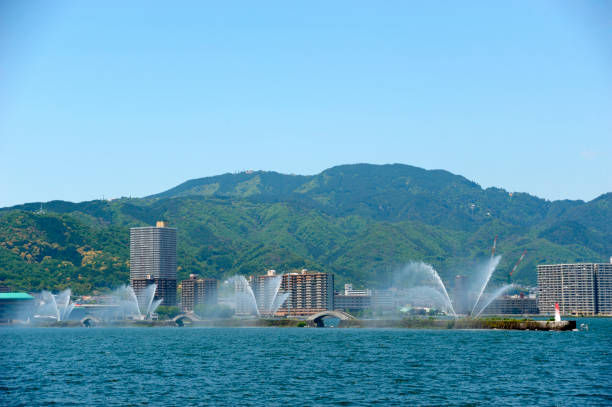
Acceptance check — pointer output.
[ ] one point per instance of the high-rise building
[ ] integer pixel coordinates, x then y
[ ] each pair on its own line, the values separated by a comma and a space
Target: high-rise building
153, 261
198, 291
309, 293
580, 288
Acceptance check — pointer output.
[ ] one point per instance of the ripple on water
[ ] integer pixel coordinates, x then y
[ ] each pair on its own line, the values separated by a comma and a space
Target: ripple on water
113, 366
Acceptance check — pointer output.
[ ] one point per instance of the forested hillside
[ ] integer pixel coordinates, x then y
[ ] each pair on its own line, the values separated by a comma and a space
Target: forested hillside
357, 221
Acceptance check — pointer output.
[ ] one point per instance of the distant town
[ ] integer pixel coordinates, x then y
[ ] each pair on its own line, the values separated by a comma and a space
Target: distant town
578, 289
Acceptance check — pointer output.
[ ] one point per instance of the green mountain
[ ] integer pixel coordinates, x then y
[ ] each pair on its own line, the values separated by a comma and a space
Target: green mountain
358, 221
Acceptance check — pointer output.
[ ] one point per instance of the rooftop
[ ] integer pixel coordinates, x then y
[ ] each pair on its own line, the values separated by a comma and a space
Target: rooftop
15, 296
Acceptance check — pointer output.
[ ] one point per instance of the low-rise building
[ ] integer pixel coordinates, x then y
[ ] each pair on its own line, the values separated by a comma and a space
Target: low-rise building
384, 300
352, 302
348, 290
512, 304
16, 306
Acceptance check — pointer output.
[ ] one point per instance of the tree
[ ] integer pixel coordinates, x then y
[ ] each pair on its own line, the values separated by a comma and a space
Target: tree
167, 312
213, 311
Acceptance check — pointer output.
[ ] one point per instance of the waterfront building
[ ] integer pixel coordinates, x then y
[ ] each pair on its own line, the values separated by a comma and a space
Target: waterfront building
512, 304
348, 290
15, 306
580, 288
352, 302
198, 291
309, 293
384, 300
153, 261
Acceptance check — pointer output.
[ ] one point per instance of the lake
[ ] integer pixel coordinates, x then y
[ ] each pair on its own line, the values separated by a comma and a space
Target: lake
305, 366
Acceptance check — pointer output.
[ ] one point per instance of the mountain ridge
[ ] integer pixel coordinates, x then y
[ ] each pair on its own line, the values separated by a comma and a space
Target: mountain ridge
357, 220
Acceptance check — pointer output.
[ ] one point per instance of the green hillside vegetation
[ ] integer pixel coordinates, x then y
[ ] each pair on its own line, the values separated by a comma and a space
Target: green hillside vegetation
360, 222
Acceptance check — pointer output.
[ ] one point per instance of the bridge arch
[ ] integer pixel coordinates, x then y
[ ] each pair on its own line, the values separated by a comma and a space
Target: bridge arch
182, 319
317, 319
89, 321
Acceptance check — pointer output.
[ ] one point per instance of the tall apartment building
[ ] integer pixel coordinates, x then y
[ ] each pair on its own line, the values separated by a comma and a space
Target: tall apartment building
198, 291
309, 293
580, 288
153, 261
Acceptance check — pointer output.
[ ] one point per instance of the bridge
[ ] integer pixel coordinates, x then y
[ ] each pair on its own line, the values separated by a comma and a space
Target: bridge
90, 321
188, 318
317, 319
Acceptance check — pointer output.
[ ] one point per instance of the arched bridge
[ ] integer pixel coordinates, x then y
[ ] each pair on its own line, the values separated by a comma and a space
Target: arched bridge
89, 321
317, 319
183, 319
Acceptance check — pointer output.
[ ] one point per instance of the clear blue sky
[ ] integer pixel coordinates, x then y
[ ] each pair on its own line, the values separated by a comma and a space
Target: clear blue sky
109, 99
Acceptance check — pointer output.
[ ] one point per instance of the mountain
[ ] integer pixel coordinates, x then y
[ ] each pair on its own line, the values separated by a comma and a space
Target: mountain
358, 221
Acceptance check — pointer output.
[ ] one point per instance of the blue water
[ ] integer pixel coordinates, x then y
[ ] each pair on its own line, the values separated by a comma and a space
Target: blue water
301, 366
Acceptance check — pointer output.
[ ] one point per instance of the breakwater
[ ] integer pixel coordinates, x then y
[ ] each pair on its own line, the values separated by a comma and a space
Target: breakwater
467, 323
406, 323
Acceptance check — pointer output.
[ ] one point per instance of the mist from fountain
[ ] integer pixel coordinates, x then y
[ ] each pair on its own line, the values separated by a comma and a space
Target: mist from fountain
420, 285
129, 306
279, 300
489, 299
265, 302
271, 298
125, 298
483, 275
238, 294
145, 306
154, 305
47, 306
58, 307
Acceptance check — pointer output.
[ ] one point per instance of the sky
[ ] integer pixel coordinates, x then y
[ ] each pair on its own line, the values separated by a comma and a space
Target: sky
114, 98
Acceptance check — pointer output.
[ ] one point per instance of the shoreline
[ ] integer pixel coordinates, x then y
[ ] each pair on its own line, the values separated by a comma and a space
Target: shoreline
407, 323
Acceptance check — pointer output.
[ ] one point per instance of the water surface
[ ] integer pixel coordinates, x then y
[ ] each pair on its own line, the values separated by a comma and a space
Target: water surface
301, 366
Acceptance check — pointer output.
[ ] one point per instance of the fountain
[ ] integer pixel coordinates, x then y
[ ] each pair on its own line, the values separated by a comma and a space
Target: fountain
56, 307
264, 301
130, 306
489, 299
237, 293
484, 275
420, 285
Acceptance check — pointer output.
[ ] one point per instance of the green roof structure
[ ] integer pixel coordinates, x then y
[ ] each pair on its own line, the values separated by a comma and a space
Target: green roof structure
15, 296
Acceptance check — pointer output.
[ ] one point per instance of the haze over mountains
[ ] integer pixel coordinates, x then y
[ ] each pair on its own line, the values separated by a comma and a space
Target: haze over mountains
358, 221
